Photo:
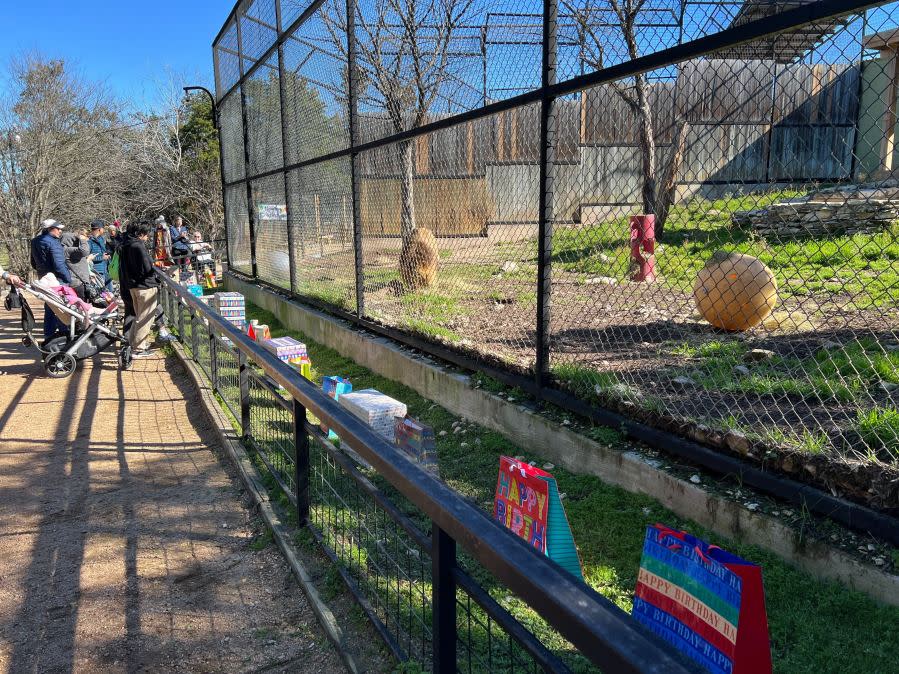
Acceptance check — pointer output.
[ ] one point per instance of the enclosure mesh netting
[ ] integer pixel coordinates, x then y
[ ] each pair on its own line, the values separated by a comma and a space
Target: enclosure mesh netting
720, 254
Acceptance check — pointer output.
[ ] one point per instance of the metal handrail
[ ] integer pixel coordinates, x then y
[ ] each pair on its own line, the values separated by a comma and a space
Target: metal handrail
599, 629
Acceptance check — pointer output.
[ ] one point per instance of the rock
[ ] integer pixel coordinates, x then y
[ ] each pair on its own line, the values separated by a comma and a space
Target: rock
830, 345
695, 479
566, 422
701, 434
758, 355
601, 280
647, 511
442, 434
509, 266
737, 442
602, 257
464, 445
752, 506
742, 371
683, 382
548, 466
879, 561
889, 386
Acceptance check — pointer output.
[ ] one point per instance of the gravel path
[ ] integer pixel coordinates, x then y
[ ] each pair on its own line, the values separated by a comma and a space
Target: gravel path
125, 545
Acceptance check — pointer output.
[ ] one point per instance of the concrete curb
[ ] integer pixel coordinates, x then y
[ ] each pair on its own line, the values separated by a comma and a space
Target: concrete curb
575, 452
253, 483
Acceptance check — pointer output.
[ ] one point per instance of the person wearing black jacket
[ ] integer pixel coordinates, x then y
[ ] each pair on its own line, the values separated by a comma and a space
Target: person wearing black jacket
138, 279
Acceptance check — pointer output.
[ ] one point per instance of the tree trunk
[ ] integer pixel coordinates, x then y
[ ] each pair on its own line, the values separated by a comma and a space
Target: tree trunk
407, 191
647, 147
667, 190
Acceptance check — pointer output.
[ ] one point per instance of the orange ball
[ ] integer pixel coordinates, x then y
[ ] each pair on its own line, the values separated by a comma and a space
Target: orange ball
735, 291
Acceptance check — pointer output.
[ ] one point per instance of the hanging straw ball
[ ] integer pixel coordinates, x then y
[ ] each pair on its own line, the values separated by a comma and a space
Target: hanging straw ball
735, 291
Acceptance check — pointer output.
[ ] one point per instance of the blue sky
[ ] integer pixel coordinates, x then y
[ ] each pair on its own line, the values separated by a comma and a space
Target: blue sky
132, 45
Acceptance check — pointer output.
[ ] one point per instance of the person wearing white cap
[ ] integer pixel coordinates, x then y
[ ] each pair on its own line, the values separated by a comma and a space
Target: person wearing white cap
48, 256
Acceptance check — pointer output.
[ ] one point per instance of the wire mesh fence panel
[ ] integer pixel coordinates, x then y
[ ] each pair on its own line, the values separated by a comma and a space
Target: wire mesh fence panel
262, 96
447, 233
270, 219
204, 350
721, 231
385, 563
258, 29
227, 376
227, 60
755, 309
237, 219
231, 131
315, 91
271, 425
321, 218
182, 325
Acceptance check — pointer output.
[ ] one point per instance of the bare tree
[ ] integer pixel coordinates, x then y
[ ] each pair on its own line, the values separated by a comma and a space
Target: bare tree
174, 160
60, 152
404, 66
657, 192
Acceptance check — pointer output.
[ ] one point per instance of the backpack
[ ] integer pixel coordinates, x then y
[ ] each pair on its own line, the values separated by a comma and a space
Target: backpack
113, 268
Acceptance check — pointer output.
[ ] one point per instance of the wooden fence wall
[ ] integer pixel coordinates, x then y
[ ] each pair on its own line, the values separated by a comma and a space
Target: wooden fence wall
751, 121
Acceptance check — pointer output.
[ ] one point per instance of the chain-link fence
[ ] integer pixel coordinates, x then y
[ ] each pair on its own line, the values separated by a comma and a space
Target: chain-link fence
685, 212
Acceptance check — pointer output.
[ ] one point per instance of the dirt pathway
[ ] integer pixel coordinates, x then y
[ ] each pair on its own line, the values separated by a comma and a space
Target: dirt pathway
124, 543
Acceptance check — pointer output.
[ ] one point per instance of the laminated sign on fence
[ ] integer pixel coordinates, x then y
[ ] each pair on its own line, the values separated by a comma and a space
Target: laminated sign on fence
708, 603
527, 502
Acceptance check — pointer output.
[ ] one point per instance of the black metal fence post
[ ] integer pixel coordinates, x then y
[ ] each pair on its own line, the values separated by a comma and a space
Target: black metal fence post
301, 461
355, 181
180, 306
244, 384
213, 361
443, 598
194, 335
545, 214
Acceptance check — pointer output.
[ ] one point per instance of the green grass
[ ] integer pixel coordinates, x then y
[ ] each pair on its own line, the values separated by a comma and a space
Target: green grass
863, 265
846, 373
879, 428
816, 627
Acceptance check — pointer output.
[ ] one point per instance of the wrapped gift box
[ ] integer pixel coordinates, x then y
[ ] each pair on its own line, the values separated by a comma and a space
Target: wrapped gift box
285, 348
417, 440
304, 365
229, 299
335, 387
374, 408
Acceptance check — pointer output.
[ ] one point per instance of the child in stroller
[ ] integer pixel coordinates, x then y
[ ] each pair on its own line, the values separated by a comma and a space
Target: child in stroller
90, 329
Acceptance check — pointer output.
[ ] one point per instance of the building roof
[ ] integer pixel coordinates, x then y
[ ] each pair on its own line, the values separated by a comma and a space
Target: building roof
783, 47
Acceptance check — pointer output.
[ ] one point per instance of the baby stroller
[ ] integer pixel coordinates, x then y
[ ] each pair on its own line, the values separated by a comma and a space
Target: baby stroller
89, 332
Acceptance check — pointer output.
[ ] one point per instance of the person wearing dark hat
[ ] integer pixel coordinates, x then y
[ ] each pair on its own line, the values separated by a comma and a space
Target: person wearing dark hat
100, 254
48, 257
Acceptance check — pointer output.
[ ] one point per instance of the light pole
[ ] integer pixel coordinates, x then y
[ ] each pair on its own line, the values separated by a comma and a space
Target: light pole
215, 114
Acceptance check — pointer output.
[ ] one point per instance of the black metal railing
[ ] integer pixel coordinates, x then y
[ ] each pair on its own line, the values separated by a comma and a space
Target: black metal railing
425, 564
